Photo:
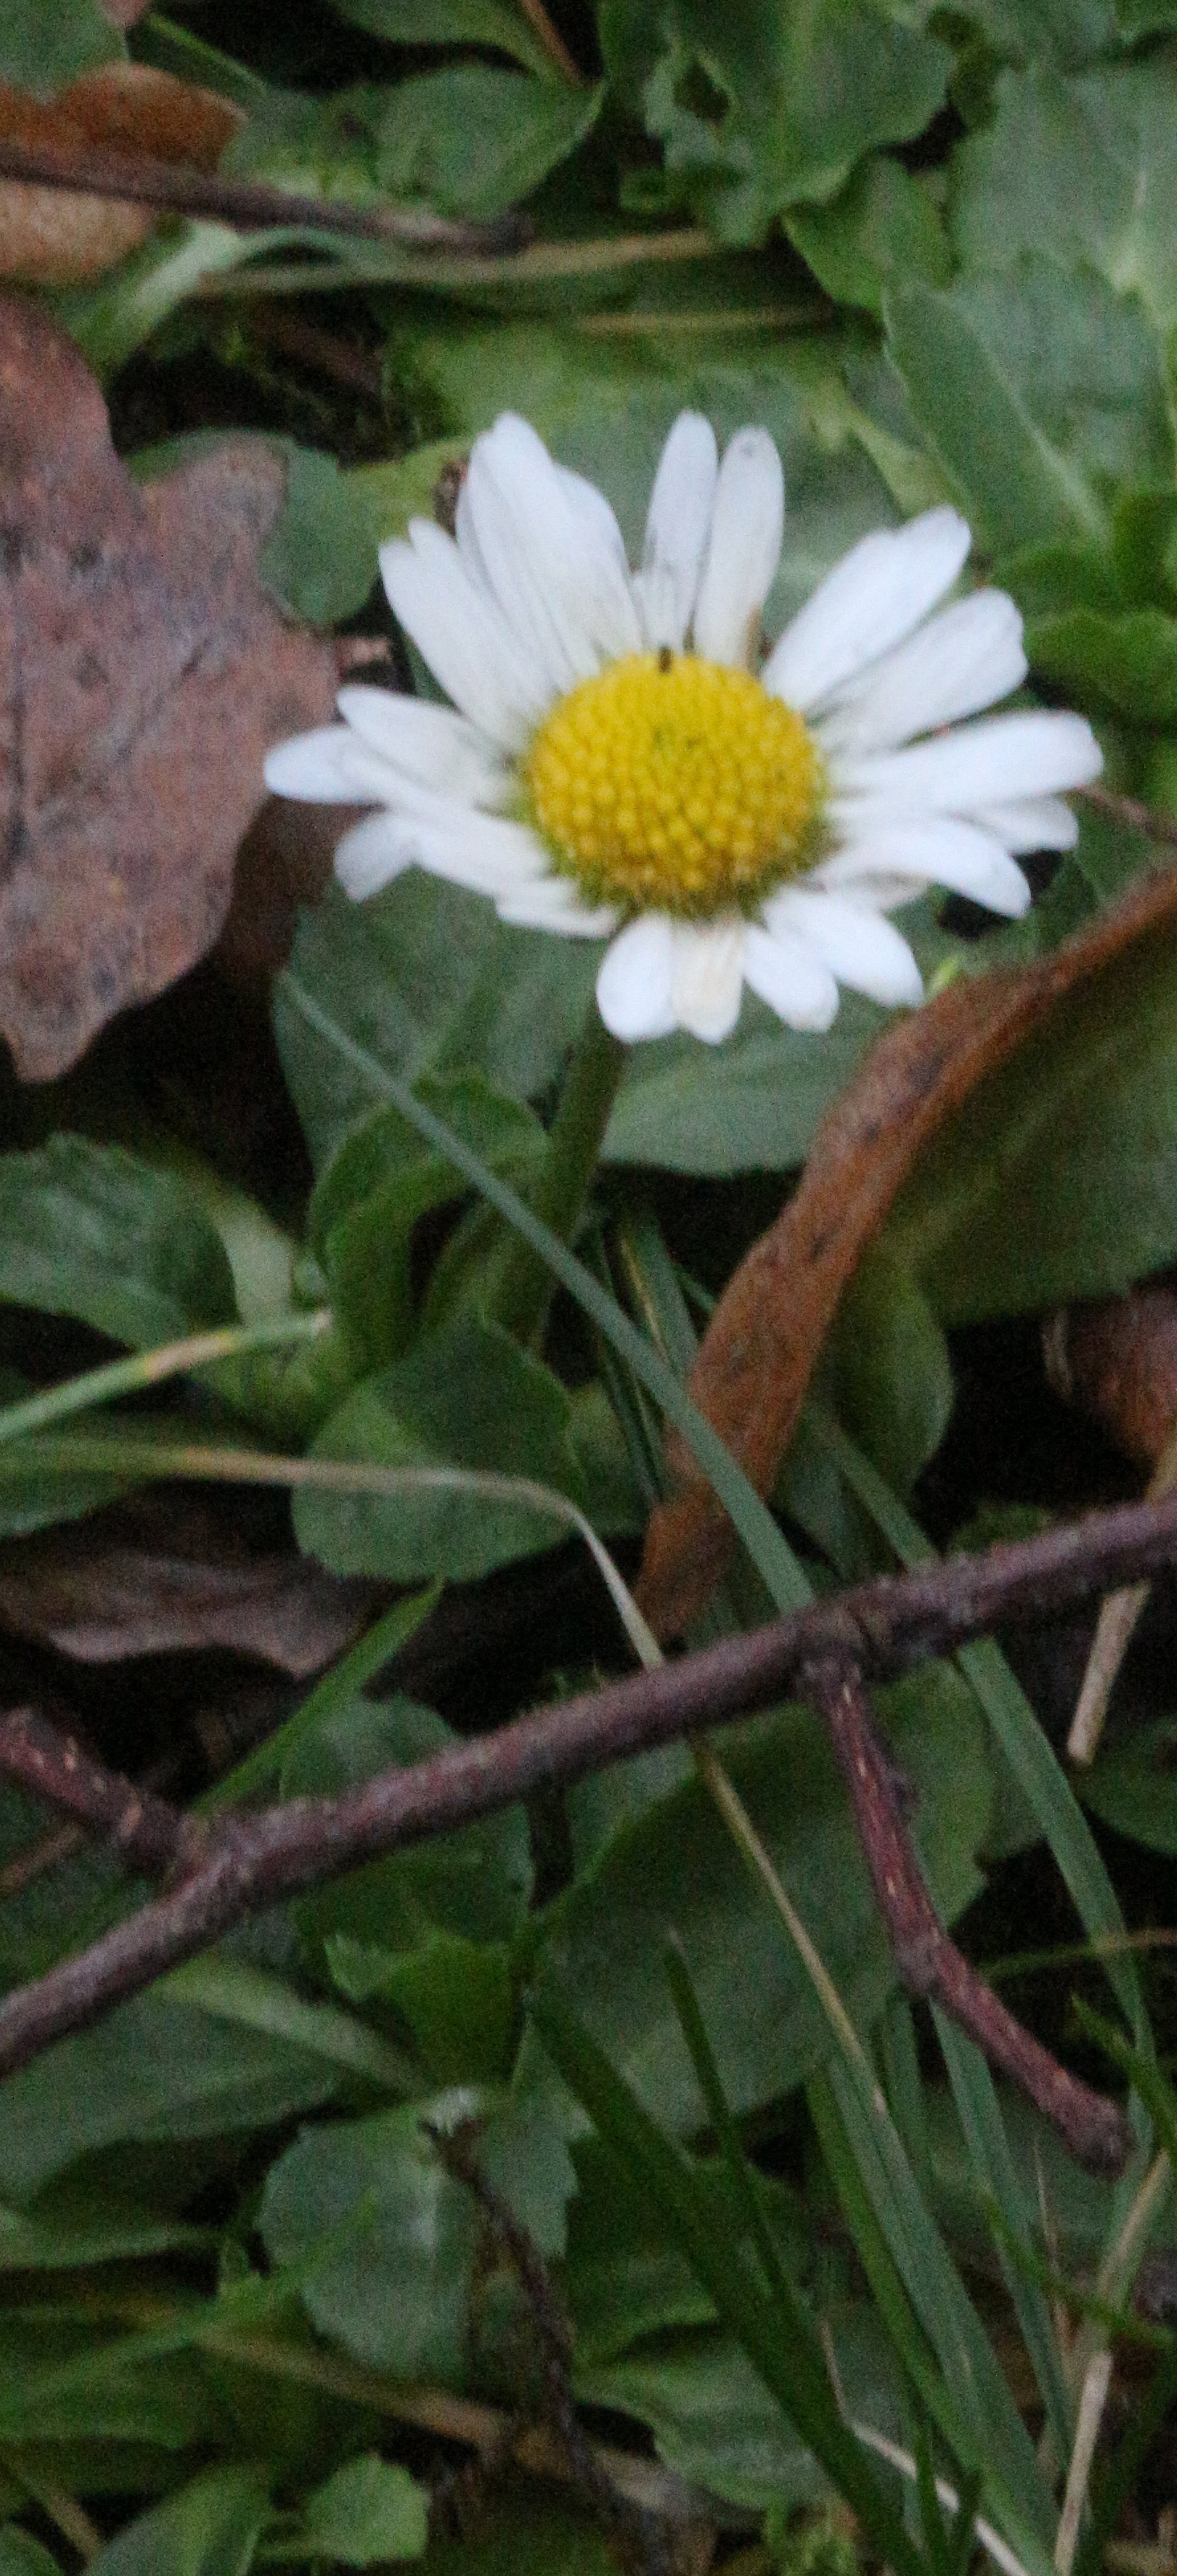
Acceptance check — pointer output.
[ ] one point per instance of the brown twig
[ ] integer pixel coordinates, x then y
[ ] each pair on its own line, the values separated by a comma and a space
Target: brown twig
1095, 2129
180, 189
248, 1862
553, 43
1130, 811
637, 2533
149, 1833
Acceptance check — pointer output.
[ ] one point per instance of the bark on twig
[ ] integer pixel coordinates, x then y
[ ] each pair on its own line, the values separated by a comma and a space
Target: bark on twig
149, 1833
249, 1861
1095, 2129
136, 179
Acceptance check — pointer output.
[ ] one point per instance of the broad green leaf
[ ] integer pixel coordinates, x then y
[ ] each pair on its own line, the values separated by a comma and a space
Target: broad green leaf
464, 1396
887, 1370
753, 1104
475, 139
369, 2510
884, 225
1132, 1785
1033, 389
714, 2421
86, 1230
21, 2555
382, 1180
430, 980
1081, 170
44, 49
625, 2279
455, 1998
494, 23
1058, 1181
1066, 32
210, 2529
63, 2383
760, 109
399, 2237
153, 2069
474, 1885
1126, 664
676, 1868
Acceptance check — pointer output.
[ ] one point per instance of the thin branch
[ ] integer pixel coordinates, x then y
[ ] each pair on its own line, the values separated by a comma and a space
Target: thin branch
178, 189
149, 1833
251, 1861
928, 1962
553, 43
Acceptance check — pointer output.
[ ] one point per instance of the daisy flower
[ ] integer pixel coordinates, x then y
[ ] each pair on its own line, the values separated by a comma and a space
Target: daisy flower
624, 759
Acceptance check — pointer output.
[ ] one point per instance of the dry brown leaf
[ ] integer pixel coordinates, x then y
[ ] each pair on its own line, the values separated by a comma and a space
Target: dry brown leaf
758, 1354
144, 672
99, 1597
123, 13
52, 237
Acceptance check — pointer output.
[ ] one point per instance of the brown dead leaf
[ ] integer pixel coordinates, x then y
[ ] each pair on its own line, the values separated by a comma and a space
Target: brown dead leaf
143, 674
98, 1596
52, 237
123, 13
758, 1353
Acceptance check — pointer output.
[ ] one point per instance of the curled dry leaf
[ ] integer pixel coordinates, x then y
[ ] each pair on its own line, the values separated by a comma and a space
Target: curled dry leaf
758, 1354
1117, 1358
50, 236
144, 672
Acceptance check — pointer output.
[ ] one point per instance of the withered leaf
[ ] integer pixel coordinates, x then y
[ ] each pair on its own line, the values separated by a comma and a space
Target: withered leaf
144, 672
53, 236
761, 1345
100, 1595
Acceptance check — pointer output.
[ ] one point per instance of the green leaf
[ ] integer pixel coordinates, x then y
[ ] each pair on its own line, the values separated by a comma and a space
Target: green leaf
474, 1885
430, 980
1066, 32
382, 1179
210, 2529
676, 1868
44, 49
86, 1230
715, 2423
1033, 388
369, 2509
1126, 664
464, 1396
1081, 170
752, 1105
882, 227
475, 139
399, 2237
21, 2555
494, 23
318, 561
625, 2278
1132, 1785
455, 1998
759, 109
887, 1370
152, 2069
1057, 1182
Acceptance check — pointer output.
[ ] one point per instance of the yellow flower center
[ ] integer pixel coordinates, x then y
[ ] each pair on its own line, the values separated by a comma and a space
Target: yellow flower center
673, 784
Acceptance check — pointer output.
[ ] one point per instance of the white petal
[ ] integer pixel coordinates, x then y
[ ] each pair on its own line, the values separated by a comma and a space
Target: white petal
677, 529
372, 854
880, 592
965, 659
469, 849
939, 850
790, 976
1002, 758
1035, 823
857, 945
329, 767
598, 514
634, 984
551, 565
463, 636
707, 977
555, 903
430, 743
744, 550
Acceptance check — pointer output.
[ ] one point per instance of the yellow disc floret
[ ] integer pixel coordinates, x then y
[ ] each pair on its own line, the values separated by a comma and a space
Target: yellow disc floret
673, 784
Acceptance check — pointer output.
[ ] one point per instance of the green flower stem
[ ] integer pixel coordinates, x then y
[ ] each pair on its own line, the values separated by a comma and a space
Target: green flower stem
150, 1368
575, 1138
